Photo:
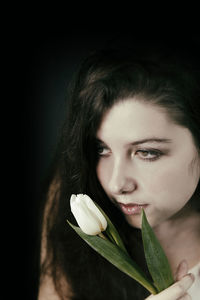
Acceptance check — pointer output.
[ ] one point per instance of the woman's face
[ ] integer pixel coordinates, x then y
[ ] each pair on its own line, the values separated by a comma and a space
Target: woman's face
146, 161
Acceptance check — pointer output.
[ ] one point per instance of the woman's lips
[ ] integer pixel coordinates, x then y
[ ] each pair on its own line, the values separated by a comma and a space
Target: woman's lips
132, 209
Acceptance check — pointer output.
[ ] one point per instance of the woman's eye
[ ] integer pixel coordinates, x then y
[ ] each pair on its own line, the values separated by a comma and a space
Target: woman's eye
149, 155
103, 151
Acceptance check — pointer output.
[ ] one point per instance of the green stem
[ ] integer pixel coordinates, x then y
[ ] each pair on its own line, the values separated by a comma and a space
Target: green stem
149, 287
110, 236
102, 236
147, 284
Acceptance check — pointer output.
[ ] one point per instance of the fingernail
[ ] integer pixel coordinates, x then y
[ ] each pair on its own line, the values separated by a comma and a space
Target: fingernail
187, 280
189, 275
192, 276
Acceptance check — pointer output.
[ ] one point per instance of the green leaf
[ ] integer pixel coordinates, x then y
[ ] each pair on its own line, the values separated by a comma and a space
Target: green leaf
115, 255
156, 259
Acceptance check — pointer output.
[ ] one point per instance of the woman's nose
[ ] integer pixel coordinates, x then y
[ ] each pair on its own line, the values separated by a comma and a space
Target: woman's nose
122, 180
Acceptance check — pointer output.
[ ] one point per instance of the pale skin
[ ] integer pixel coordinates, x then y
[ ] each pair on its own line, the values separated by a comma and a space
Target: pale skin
145, 158
166, 183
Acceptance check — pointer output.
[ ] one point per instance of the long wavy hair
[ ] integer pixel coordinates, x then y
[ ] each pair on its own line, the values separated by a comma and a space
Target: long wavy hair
168, 77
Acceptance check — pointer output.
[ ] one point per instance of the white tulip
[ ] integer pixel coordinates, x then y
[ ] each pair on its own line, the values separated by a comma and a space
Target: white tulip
87, 215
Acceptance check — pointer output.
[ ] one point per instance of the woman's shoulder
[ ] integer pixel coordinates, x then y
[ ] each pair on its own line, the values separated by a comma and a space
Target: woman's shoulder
47, 290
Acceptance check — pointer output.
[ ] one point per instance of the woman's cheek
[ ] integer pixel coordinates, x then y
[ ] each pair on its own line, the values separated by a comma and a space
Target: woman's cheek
103, 172
172, 189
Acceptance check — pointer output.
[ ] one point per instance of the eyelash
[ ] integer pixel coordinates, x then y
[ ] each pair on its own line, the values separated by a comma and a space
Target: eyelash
155, 152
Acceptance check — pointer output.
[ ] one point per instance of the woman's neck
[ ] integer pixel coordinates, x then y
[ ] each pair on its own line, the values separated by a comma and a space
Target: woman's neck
180, 238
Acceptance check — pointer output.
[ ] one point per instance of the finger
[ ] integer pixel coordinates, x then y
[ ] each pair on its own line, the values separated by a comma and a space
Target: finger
177, 290
150, 297
181, 270
185, 297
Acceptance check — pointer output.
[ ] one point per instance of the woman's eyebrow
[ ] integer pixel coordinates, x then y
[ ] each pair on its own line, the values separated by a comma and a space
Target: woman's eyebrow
98, 141
151, 140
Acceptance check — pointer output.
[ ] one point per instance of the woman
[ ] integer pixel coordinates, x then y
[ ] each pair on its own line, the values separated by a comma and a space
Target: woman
131, 140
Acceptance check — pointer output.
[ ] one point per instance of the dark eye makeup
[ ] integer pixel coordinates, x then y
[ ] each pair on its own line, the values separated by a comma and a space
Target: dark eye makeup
149, 154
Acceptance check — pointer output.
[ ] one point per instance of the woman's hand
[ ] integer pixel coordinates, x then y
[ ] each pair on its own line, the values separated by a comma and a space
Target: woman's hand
177, 291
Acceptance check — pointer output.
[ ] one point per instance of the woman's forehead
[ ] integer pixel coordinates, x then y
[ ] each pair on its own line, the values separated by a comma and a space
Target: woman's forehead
131, 121
132, 114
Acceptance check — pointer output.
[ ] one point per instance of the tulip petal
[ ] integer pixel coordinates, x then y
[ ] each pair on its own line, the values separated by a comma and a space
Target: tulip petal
93, 208
85, 218
86, 222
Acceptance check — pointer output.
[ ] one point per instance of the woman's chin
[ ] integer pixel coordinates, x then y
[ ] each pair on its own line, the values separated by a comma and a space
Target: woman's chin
134, 221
